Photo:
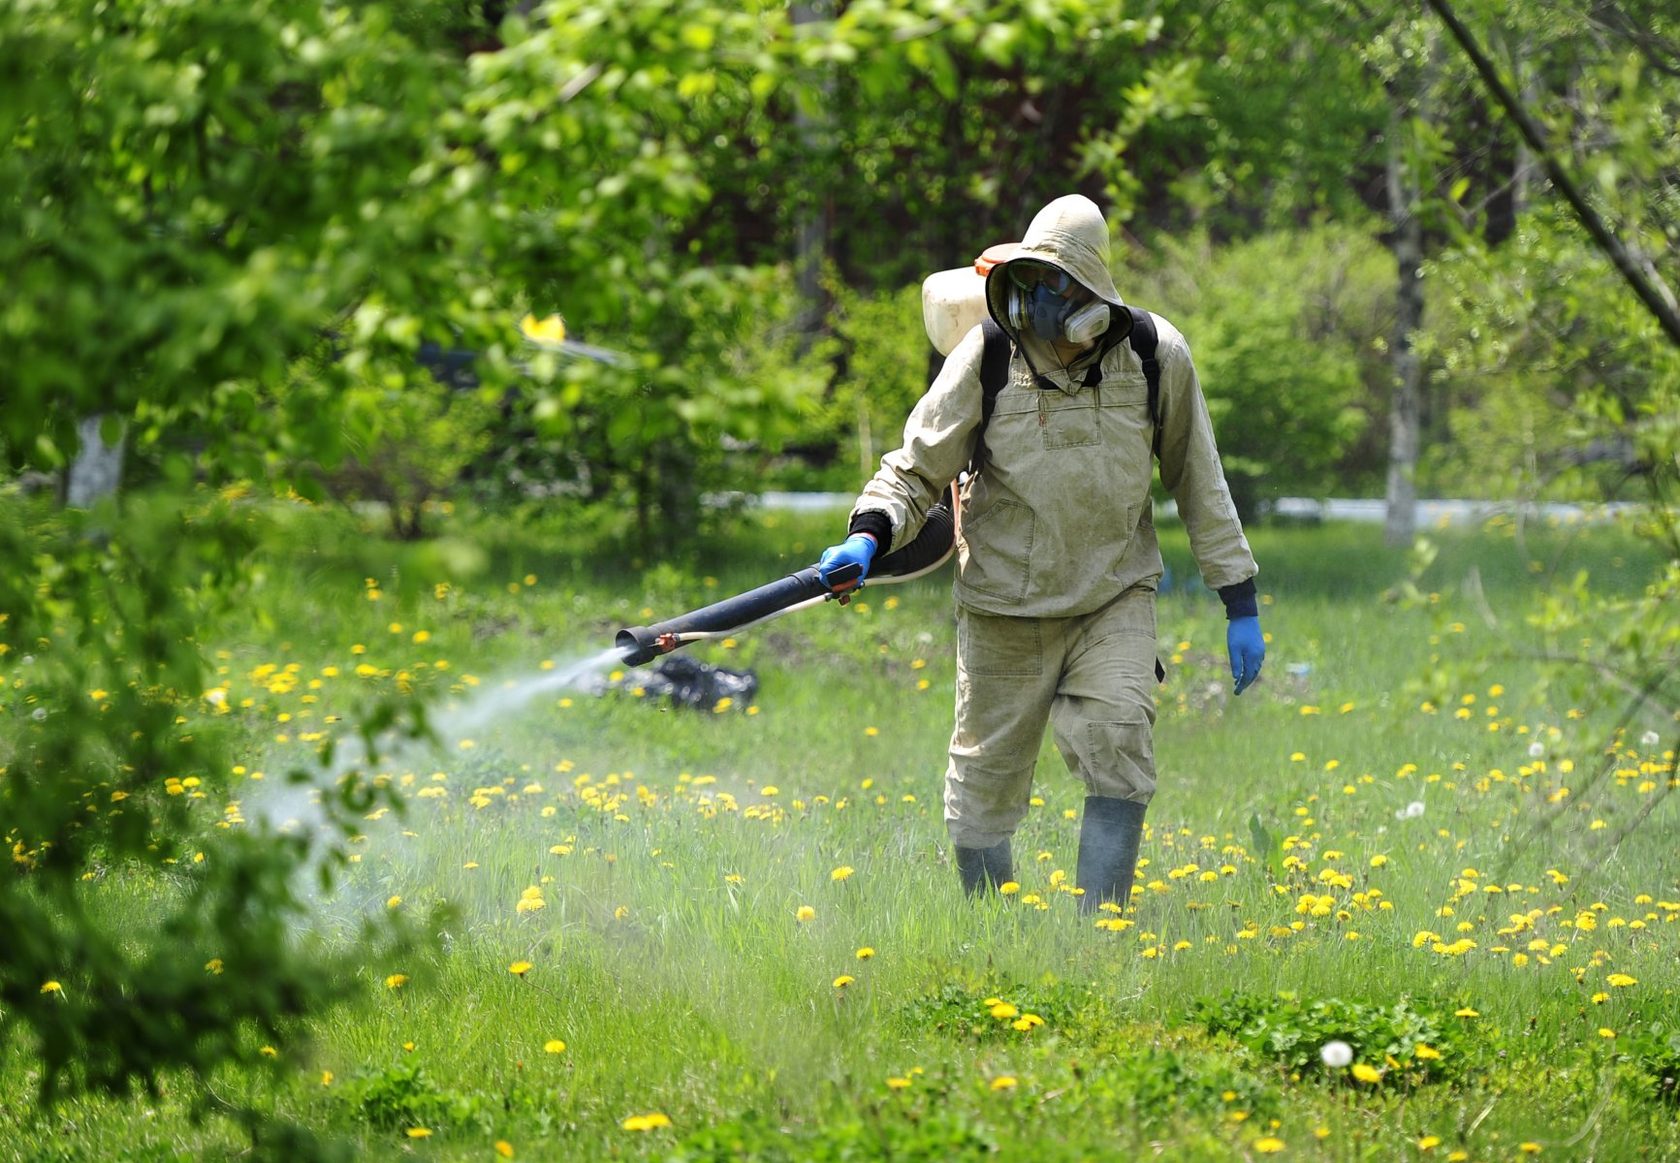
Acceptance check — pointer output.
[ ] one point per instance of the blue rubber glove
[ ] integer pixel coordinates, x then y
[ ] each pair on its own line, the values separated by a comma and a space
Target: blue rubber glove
858, 549
1248, 650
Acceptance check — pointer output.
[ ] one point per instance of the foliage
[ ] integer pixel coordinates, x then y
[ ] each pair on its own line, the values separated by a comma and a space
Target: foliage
404, 1096
884, 359
1536, 331
1655, 1048
1293, 1032
1612, 358
105, 779
1286, 330
940, 1135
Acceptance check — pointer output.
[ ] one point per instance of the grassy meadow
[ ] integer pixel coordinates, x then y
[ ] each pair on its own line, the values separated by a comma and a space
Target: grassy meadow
737, 932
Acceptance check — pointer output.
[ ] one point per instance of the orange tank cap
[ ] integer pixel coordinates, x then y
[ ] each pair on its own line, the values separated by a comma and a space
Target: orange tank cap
993, 255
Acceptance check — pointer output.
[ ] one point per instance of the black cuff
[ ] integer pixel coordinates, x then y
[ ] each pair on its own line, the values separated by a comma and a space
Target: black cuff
878, 525
1239, 600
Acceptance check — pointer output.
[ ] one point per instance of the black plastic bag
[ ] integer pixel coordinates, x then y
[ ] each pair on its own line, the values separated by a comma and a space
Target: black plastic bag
683, 681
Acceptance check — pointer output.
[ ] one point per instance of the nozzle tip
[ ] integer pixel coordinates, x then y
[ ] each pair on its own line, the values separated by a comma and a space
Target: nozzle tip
638, 645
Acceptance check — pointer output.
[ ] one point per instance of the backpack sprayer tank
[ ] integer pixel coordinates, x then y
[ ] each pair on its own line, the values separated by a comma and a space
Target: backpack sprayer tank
643, 644
954, 301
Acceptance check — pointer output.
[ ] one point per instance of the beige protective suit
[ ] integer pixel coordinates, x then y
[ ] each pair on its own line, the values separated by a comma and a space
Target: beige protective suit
1057, 560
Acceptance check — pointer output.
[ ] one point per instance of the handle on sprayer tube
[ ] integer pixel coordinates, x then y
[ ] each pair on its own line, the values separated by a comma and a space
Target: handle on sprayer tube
642, 644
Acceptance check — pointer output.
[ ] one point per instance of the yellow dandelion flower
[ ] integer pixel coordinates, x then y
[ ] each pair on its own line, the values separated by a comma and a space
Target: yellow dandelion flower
1428, 1142
520, 968
1004, 1082
504, 1148
1365, 1073
1600, 998
841, 873
52, 987
1606, 1032
1466, 1012
214, 965
394, 902
865, 953
1003, 1011
843, 981
897, 1082
1425, 1052
1009, 888
1269, 1145
419, 1133
805, 913
1529, 1148
396, 981
1621, 980
269, 1052
326, 1078
554, 1046
647, 1122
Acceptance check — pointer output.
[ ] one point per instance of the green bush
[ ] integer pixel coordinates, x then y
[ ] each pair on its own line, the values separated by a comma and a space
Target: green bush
1288, 332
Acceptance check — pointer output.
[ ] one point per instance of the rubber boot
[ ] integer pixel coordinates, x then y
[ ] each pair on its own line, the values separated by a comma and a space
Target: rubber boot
983, 868
1108, 850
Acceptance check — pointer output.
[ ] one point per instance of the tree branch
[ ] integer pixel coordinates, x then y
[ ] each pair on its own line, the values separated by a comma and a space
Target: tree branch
1648, 291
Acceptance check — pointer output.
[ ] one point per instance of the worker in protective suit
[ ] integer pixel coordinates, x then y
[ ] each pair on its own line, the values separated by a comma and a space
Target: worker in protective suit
1057, 560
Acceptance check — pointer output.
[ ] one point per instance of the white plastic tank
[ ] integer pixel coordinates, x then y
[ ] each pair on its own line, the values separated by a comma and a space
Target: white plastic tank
954, 301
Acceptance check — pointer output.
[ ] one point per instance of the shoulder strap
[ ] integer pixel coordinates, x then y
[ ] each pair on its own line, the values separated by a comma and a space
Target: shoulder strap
994, 373
1144, 337
994, 367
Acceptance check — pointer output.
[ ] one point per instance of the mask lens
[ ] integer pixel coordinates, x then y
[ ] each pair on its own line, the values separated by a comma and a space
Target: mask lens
1027, 275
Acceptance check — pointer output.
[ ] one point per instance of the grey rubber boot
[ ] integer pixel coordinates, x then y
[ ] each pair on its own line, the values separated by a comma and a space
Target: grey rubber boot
983, 868
1108, 850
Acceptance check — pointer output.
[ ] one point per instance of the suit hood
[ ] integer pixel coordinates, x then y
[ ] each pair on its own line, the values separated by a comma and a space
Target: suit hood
1069, 233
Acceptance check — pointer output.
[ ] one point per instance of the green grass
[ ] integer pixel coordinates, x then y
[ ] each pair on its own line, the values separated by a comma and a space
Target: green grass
672, 851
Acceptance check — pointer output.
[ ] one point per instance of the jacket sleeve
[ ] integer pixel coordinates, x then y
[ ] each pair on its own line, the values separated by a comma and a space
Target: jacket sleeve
1191, 472
939, 440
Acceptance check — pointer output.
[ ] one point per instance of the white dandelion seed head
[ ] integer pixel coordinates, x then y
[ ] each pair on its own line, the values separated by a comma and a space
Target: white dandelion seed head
38, 714
1336, 1054
1536, 749
1650, 739
1410, 812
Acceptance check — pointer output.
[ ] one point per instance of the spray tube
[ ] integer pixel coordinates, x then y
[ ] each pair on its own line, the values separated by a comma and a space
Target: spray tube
642, 644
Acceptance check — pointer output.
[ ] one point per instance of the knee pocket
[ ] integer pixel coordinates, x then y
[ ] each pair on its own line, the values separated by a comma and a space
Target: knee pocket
1119, 759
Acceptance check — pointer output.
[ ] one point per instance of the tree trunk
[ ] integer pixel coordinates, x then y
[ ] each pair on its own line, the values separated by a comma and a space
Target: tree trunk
816, 216
96, 472
1405, 416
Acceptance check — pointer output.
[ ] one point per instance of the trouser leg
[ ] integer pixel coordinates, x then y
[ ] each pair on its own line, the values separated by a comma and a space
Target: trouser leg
1006, 674
1104, 715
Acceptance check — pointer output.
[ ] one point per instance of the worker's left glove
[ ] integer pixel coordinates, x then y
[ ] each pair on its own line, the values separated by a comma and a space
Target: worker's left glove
1247, 647
858, 550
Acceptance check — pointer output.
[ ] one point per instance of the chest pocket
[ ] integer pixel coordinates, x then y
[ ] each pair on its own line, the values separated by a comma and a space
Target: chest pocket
1069, 421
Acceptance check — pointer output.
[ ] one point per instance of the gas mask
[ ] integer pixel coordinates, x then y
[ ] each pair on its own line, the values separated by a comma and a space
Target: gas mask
1037, 301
